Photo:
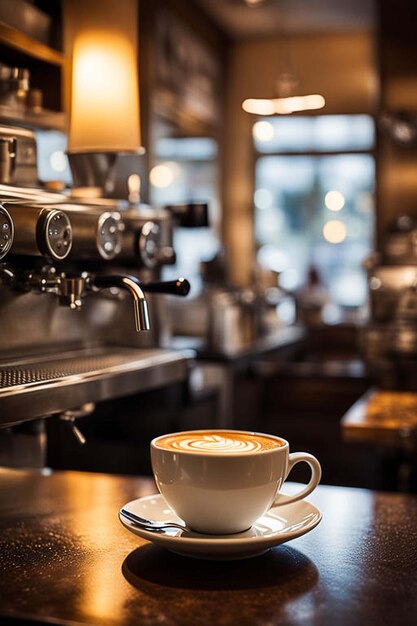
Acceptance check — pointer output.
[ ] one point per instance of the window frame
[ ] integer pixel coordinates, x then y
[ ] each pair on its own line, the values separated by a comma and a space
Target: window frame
256, 155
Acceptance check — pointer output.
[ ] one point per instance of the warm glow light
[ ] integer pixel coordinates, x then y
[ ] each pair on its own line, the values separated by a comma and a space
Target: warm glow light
104, 112
283, 106
163, 175
58, 161
299, 103
334, 200
263, 131
133, 183
97, 593
133, 186
259, 106
334, 231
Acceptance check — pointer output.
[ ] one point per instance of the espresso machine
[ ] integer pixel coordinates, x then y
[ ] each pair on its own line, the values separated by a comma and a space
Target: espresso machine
389, 339
81, 315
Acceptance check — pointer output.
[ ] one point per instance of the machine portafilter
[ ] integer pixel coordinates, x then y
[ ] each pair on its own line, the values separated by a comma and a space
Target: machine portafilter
71, 289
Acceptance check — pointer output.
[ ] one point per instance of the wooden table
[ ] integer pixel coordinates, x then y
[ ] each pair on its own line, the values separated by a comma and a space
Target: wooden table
388, 421
382, 417
66, 559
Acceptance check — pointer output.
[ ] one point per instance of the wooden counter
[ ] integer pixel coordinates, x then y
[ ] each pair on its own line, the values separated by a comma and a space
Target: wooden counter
66, 559
382, 418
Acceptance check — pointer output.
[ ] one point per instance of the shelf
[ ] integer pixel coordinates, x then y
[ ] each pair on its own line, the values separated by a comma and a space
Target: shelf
48, 68
29, 46
45, 119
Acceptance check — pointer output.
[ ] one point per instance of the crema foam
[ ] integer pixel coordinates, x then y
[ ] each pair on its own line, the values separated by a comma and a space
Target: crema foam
224, 442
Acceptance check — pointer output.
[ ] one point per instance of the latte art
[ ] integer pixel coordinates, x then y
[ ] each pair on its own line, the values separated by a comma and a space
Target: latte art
215, 443
224, 442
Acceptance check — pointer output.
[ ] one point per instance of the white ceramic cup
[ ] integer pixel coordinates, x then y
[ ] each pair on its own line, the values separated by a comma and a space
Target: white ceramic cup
222, 492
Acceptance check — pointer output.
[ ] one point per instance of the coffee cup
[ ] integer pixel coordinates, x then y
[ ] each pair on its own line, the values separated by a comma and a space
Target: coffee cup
222, 481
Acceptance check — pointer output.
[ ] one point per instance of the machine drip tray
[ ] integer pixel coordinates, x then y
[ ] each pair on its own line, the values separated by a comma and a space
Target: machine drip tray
44, 385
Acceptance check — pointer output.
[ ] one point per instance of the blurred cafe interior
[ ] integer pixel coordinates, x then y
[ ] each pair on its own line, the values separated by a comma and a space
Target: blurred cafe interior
209, 220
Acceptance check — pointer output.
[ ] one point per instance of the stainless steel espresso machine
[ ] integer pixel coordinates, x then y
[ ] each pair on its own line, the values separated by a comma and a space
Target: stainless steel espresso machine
80, 316
389, 339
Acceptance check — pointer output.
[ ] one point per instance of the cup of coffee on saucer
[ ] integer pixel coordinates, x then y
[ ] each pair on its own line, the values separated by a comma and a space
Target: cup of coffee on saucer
219, 482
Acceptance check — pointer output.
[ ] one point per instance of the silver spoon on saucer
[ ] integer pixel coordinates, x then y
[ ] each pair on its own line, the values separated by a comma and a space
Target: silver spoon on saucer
148, 524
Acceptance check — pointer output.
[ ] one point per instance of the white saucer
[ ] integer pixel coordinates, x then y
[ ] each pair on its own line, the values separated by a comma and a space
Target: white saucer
281, 523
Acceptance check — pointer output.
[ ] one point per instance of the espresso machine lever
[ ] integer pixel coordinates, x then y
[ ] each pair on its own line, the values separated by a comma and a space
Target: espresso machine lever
177, 287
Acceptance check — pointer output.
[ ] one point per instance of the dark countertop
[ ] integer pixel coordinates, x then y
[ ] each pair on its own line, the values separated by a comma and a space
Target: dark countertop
281, 338
66, 559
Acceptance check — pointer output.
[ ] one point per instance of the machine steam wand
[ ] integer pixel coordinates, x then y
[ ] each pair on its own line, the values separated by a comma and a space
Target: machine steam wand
72, 288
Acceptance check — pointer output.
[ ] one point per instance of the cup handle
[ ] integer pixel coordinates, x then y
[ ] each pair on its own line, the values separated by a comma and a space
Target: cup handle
297, 457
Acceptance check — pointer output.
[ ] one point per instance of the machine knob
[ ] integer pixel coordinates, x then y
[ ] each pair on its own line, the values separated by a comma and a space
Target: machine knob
54, 234
149, 243
109, 235
6, 232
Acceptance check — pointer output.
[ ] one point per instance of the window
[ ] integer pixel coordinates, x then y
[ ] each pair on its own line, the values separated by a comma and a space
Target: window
314, 203
51, 154
185, 170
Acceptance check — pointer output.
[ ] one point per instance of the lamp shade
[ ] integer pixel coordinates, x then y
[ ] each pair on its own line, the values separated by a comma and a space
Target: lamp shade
101, 37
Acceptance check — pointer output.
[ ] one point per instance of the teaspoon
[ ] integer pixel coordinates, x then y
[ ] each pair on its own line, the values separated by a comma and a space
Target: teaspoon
147, 524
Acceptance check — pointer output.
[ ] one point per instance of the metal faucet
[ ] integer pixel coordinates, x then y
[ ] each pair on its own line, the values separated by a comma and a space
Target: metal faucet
132, 285
178, 287
72, 288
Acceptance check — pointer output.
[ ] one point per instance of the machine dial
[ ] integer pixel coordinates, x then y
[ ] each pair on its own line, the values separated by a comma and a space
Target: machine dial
55, 234
149, 244
109, 235
6, 232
